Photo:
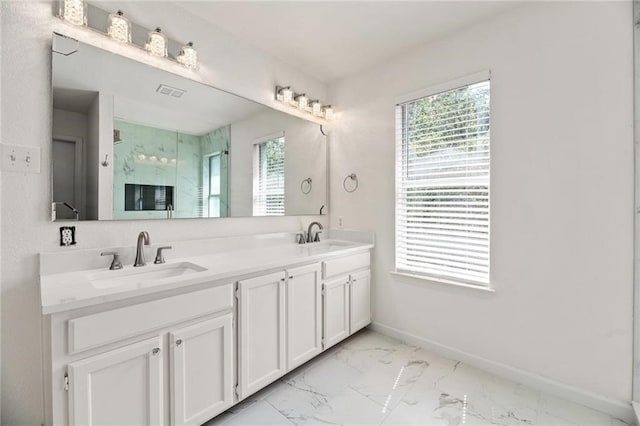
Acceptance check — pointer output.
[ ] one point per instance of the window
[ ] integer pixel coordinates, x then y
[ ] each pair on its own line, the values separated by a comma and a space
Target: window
268, 177
214, 185
442, 183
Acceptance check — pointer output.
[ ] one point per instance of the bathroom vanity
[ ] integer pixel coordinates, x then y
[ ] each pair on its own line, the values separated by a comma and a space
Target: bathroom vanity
180, 342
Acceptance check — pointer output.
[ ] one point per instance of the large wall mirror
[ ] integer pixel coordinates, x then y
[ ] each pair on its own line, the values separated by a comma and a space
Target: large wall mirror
131, 141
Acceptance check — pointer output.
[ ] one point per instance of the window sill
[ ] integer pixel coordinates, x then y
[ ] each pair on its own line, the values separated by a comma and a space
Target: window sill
479, 287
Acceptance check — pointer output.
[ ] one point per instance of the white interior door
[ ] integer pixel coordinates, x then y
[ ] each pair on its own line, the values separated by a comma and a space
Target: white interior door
304, 314
261, 332
201, 370
336, 310
67, 176
119, 387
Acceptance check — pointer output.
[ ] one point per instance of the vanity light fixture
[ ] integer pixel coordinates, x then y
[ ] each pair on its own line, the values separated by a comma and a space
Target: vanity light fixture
302, 101
188, 56
157, 43
74, 11
119, 27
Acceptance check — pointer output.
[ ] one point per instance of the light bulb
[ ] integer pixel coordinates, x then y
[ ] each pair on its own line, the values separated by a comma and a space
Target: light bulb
303, 101
328, 112
316, 108
119, 27
74, 11
156, 43
188, 56
287, 94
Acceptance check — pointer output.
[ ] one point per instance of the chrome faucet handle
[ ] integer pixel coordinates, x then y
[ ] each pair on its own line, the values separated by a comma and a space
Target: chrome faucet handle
316, 239
159, 257
115, 263
300, 237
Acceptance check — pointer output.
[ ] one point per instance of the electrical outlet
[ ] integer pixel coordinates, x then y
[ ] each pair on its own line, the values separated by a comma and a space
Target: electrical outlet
340, 222
20, 158
67, 236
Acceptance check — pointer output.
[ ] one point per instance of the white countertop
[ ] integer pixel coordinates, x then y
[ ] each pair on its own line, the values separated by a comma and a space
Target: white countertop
63, 291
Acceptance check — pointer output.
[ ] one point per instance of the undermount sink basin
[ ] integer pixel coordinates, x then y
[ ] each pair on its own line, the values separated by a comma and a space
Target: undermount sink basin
143, 274
328, 245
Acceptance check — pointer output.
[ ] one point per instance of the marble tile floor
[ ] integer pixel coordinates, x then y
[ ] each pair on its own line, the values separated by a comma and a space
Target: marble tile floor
372, 379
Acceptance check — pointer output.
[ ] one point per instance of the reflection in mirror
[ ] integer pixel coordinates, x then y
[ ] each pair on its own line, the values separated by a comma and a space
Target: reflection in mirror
134, 142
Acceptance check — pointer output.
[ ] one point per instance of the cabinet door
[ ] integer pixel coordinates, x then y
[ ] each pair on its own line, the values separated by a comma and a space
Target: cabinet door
304, 314
201, 370
336, 310
261, 332
360, 300
119, 387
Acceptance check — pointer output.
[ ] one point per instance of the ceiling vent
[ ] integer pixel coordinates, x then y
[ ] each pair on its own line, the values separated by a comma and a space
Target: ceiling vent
163, 89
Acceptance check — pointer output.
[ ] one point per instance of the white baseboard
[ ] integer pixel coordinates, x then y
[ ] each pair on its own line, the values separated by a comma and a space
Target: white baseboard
616, 408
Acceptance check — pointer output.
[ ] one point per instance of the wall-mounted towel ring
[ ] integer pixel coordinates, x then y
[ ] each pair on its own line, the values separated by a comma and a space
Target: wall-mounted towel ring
353, 185
305, 186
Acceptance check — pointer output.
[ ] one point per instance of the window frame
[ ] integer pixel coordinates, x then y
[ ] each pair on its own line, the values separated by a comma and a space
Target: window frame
399, 146
256, 173
208, 195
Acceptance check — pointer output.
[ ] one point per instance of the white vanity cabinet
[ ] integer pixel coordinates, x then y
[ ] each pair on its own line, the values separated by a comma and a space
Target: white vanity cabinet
156, 362
184, 356
202, 377
119, 387
261, 332
280, 325
347, 297
304, 314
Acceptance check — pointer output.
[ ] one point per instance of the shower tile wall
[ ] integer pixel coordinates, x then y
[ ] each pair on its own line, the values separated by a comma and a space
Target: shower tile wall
151, 156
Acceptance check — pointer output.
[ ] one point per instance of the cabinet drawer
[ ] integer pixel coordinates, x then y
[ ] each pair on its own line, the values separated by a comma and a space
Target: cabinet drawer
344, 265
106, 327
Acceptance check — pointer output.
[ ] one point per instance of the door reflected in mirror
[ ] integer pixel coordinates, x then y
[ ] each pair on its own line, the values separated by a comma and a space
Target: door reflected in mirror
135, 142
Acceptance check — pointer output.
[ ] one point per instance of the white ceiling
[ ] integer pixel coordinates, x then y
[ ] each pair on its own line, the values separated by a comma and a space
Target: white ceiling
334, 39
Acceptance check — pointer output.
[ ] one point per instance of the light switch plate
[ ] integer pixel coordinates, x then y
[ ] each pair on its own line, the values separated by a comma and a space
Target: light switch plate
20, 158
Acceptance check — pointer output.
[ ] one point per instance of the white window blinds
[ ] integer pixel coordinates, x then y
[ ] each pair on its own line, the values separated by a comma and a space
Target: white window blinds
268, 183
442, 185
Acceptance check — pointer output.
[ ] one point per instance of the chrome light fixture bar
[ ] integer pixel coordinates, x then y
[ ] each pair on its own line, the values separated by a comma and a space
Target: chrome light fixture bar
286, 96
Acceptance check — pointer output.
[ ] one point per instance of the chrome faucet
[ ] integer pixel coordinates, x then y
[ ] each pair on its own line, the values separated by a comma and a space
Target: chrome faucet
142, 237
310, 237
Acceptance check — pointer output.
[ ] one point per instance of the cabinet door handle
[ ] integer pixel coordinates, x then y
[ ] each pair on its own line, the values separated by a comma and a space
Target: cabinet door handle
155, 351
291, 277
178, 342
